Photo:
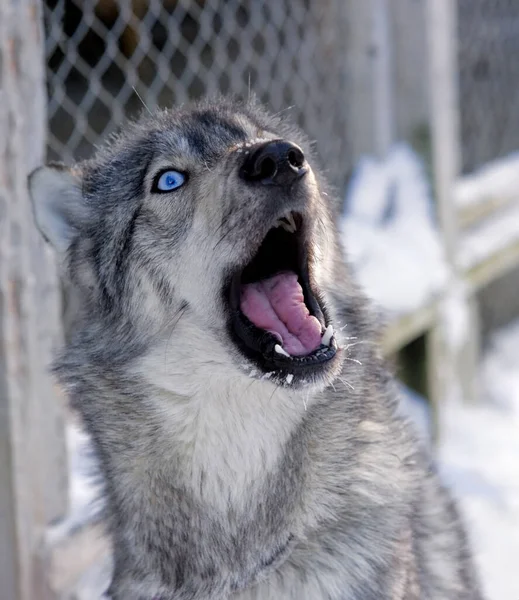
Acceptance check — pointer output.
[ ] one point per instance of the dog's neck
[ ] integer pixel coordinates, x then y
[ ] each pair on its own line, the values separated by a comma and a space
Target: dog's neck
226, 431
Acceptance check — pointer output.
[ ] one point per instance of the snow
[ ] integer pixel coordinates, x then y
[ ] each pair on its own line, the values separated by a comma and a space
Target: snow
389, 233
478, 456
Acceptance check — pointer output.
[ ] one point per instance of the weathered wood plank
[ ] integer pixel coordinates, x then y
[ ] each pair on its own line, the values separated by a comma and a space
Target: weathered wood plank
444, 114
368, 59
487, 191
409, 49
32, 452
455, 362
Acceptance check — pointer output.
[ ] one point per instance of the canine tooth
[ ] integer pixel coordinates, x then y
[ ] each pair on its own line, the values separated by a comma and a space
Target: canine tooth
289, 378
327, 335
281, 350
291, 220
287, 227
288, 223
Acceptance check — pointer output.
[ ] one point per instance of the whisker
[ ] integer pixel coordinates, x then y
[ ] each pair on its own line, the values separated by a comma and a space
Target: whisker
228, 232
284, 110
180, 314
353, 360
140, 98
348, 346
347, 383
275, 390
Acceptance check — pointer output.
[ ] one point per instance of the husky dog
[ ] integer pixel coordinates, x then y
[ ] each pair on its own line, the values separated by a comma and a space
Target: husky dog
221, 359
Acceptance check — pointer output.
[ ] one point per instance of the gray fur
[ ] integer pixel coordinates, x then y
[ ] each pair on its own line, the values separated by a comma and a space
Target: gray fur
221, 483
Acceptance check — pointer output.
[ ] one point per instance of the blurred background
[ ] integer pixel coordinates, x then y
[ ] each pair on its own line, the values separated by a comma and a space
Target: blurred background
414, 109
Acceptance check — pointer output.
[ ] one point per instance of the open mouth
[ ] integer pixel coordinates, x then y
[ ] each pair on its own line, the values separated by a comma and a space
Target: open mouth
278, 320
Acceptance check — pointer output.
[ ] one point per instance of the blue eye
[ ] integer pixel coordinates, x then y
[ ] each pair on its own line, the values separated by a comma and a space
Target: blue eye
169, 180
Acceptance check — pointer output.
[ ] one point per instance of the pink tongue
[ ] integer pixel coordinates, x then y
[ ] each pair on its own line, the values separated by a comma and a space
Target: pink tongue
277, 305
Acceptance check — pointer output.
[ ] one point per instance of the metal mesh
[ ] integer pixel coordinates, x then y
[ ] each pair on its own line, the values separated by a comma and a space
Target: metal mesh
102, 55
489, 79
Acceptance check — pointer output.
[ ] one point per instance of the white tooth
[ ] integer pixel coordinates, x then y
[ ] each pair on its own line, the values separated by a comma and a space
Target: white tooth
281, 350
287, 227
289, 378
268, 375
292, 222
327, 335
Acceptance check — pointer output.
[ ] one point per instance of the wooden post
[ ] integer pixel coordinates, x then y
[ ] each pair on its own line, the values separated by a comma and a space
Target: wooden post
454, 360
33, 486
383, 77
409, 51
369, 68
444, 113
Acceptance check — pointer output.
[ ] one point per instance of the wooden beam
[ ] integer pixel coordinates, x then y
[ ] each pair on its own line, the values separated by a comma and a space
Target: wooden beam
444, 114
486, 191
369, 68
383, 77
32, 448
455, 359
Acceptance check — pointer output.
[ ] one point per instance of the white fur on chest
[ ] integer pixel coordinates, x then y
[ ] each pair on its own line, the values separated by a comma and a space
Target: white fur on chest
228, 431
236, 438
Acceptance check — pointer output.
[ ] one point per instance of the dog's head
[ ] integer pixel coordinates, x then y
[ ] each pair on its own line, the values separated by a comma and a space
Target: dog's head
208, 228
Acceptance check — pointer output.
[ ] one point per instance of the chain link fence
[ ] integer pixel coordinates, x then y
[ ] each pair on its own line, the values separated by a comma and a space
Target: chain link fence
489, 79
107, 58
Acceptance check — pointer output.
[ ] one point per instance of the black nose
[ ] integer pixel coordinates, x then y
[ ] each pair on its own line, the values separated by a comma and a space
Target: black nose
274, 163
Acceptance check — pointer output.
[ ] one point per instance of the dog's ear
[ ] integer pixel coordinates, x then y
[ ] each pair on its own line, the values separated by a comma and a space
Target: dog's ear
58, 204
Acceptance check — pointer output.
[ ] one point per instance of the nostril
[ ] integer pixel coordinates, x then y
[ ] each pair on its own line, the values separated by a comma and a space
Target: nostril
267, 167
276, 162
296, 158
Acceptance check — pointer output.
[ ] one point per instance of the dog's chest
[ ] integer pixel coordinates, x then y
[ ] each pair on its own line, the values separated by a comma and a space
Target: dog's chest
230, 437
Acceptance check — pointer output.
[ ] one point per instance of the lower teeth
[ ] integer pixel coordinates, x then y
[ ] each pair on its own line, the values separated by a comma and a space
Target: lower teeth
325, 341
